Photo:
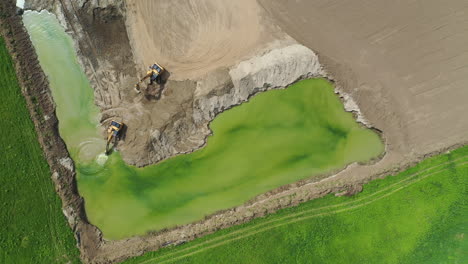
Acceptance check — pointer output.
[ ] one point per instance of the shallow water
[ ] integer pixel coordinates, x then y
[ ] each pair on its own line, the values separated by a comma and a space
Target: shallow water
77, 114
277, 138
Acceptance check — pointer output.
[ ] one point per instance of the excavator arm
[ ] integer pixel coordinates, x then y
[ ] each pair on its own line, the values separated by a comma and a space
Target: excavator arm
137, 85
110, 136
113, 134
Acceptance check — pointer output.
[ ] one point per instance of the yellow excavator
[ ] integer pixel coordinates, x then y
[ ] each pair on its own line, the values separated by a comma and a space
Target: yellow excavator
113, 133
154, 73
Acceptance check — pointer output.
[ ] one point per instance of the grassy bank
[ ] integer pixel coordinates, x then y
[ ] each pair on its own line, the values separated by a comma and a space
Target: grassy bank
33, 228
417, 216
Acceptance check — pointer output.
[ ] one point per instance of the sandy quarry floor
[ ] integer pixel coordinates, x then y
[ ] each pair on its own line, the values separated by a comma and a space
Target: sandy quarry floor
404, 63
192, 38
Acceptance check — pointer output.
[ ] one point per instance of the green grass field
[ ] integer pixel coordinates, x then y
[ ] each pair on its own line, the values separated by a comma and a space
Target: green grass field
32, 226
417, 216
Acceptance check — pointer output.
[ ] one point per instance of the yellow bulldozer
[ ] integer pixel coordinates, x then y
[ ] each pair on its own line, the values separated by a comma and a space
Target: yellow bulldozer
113, 134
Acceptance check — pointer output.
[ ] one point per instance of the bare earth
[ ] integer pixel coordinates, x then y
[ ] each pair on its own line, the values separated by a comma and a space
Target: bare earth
403, 65
192, 38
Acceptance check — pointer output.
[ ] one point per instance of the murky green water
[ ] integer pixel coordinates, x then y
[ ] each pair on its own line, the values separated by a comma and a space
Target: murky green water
277, 138
77, 114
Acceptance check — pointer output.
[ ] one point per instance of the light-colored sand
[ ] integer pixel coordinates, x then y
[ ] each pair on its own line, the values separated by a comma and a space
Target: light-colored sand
192, 38
405, 64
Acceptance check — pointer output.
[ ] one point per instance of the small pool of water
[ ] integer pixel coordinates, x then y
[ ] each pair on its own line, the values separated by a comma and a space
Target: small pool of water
277, 138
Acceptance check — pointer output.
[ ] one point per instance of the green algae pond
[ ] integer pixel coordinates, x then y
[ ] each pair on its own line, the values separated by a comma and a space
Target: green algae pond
277, 138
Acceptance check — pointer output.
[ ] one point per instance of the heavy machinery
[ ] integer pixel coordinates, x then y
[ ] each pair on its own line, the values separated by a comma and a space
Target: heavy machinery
113, 133
154, 73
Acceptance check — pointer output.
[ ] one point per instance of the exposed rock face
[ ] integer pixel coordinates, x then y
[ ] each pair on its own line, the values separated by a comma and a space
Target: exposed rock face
175, 120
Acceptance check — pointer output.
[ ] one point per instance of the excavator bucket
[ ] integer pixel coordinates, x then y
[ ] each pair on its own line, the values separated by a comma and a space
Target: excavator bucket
113, 132
109, 140
107, 149
137, 88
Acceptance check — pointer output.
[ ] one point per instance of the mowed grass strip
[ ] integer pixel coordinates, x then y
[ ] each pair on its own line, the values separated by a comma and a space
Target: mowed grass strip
418, 216
32, 226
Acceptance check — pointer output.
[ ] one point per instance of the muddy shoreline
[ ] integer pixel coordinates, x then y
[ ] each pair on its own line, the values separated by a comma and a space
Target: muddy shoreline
93, 248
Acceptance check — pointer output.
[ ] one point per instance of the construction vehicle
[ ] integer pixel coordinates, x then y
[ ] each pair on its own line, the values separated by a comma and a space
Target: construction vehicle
154, 73
113, 134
